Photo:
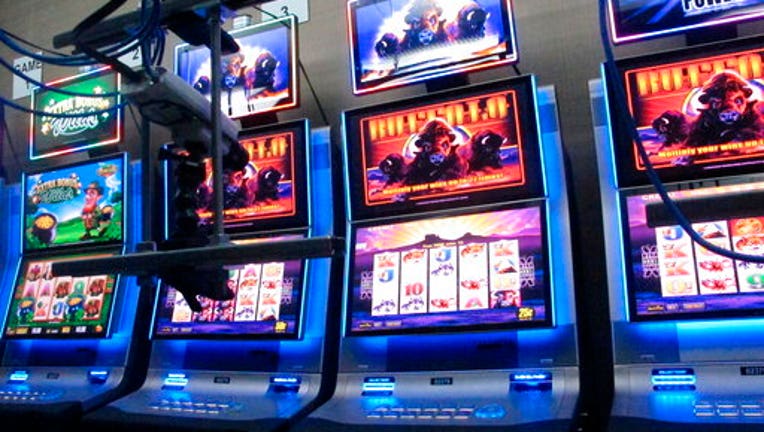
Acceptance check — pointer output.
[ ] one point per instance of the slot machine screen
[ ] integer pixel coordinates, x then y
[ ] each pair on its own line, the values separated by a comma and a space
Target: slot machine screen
457, 148
55, 136
634, 20
699, 113
271, 192
47, 306
268, 305
671, 277
477, 271
76, 205
399, 42
260, 78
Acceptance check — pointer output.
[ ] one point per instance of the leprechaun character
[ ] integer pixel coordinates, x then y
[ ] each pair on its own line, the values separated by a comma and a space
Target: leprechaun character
94, 217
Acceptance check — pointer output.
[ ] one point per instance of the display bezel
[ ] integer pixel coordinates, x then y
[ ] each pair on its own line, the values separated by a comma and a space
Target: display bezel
349, 275
524, 124
292, 100
474, 62
626, 158
629, 263
121, 159
67, 146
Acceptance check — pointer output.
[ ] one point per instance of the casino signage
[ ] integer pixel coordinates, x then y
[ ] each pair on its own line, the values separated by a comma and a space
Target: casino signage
53, 135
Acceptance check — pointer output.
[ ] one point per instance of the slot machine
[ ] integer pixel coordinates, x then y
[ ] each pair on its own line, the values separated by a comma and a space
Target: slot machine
686, 318
257, 360
70, 341
457, 313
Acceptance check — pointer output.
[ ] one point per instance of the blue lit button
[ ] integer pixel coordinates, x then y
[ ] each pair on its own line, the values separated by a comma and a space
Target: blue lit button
490, 411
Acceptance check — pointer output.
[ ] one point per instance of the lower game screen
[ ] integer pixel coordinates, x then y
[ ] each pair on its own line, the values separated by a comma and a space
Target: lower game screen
475, 271
673, 277
63, 306
267, 303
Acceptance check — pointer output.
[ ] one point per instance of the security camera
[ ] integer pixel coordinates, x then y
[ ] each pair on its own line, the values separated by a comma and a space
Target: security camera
170, 101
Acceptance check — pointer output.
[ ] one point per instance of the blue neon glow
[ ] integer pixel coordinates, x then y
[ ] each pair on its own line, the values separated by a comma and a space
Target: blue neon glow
536, 376
98, 373
18, 377
670, 379
286, 380
178, 380
611, 177
539, 133
550, 163
378, 385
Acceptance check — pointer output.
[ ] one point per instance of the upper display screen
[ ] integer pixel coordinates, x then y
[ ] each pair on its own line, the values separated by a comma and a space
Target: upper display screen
55, 136
271, 192
59, 307
472, 272
460, 148
268, 304
76, 205
671, 277
632, 20
699, 113
399, 42
260, 78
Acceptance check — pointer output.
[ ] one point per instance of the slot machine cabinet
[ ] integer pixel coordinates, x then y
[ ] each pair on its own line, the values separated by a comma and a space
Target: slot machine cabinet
72, 343
685, 321
260, 361
404, 369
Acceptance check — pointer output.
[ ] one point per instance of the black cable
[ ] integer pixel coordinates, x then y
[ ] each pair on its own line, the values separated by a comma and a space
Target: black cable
304, 73
516, 69
623, 115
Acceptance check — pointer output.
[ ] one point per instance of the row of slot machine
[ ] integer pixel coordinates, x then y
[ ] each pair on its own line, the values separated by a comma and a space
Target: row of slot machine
454, 305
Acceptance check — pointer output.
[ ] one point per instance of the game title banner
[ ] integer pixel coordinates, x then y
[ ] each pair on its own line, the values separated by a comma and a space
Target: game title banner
456, 152
260, 78
267, 304
75, 206
476, 271
271, 191
671, 277
699, 117
399, 42
55, 136
632, 20
50, 306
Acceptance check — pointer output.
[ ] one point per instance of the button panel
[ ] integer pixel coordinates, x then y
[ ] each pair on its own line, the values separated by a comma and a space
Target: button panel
193, 407
21, 396
429, 412
728, 409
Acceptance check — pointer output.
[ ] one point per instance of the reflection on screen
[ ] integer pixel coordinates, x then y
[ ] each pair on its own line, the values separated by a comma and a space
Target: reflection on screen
473, 271
673, 277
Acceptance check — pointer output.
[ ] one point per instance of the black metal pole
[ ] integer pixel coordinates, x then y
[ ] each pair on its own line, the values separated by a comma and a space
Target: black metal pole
216, 150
